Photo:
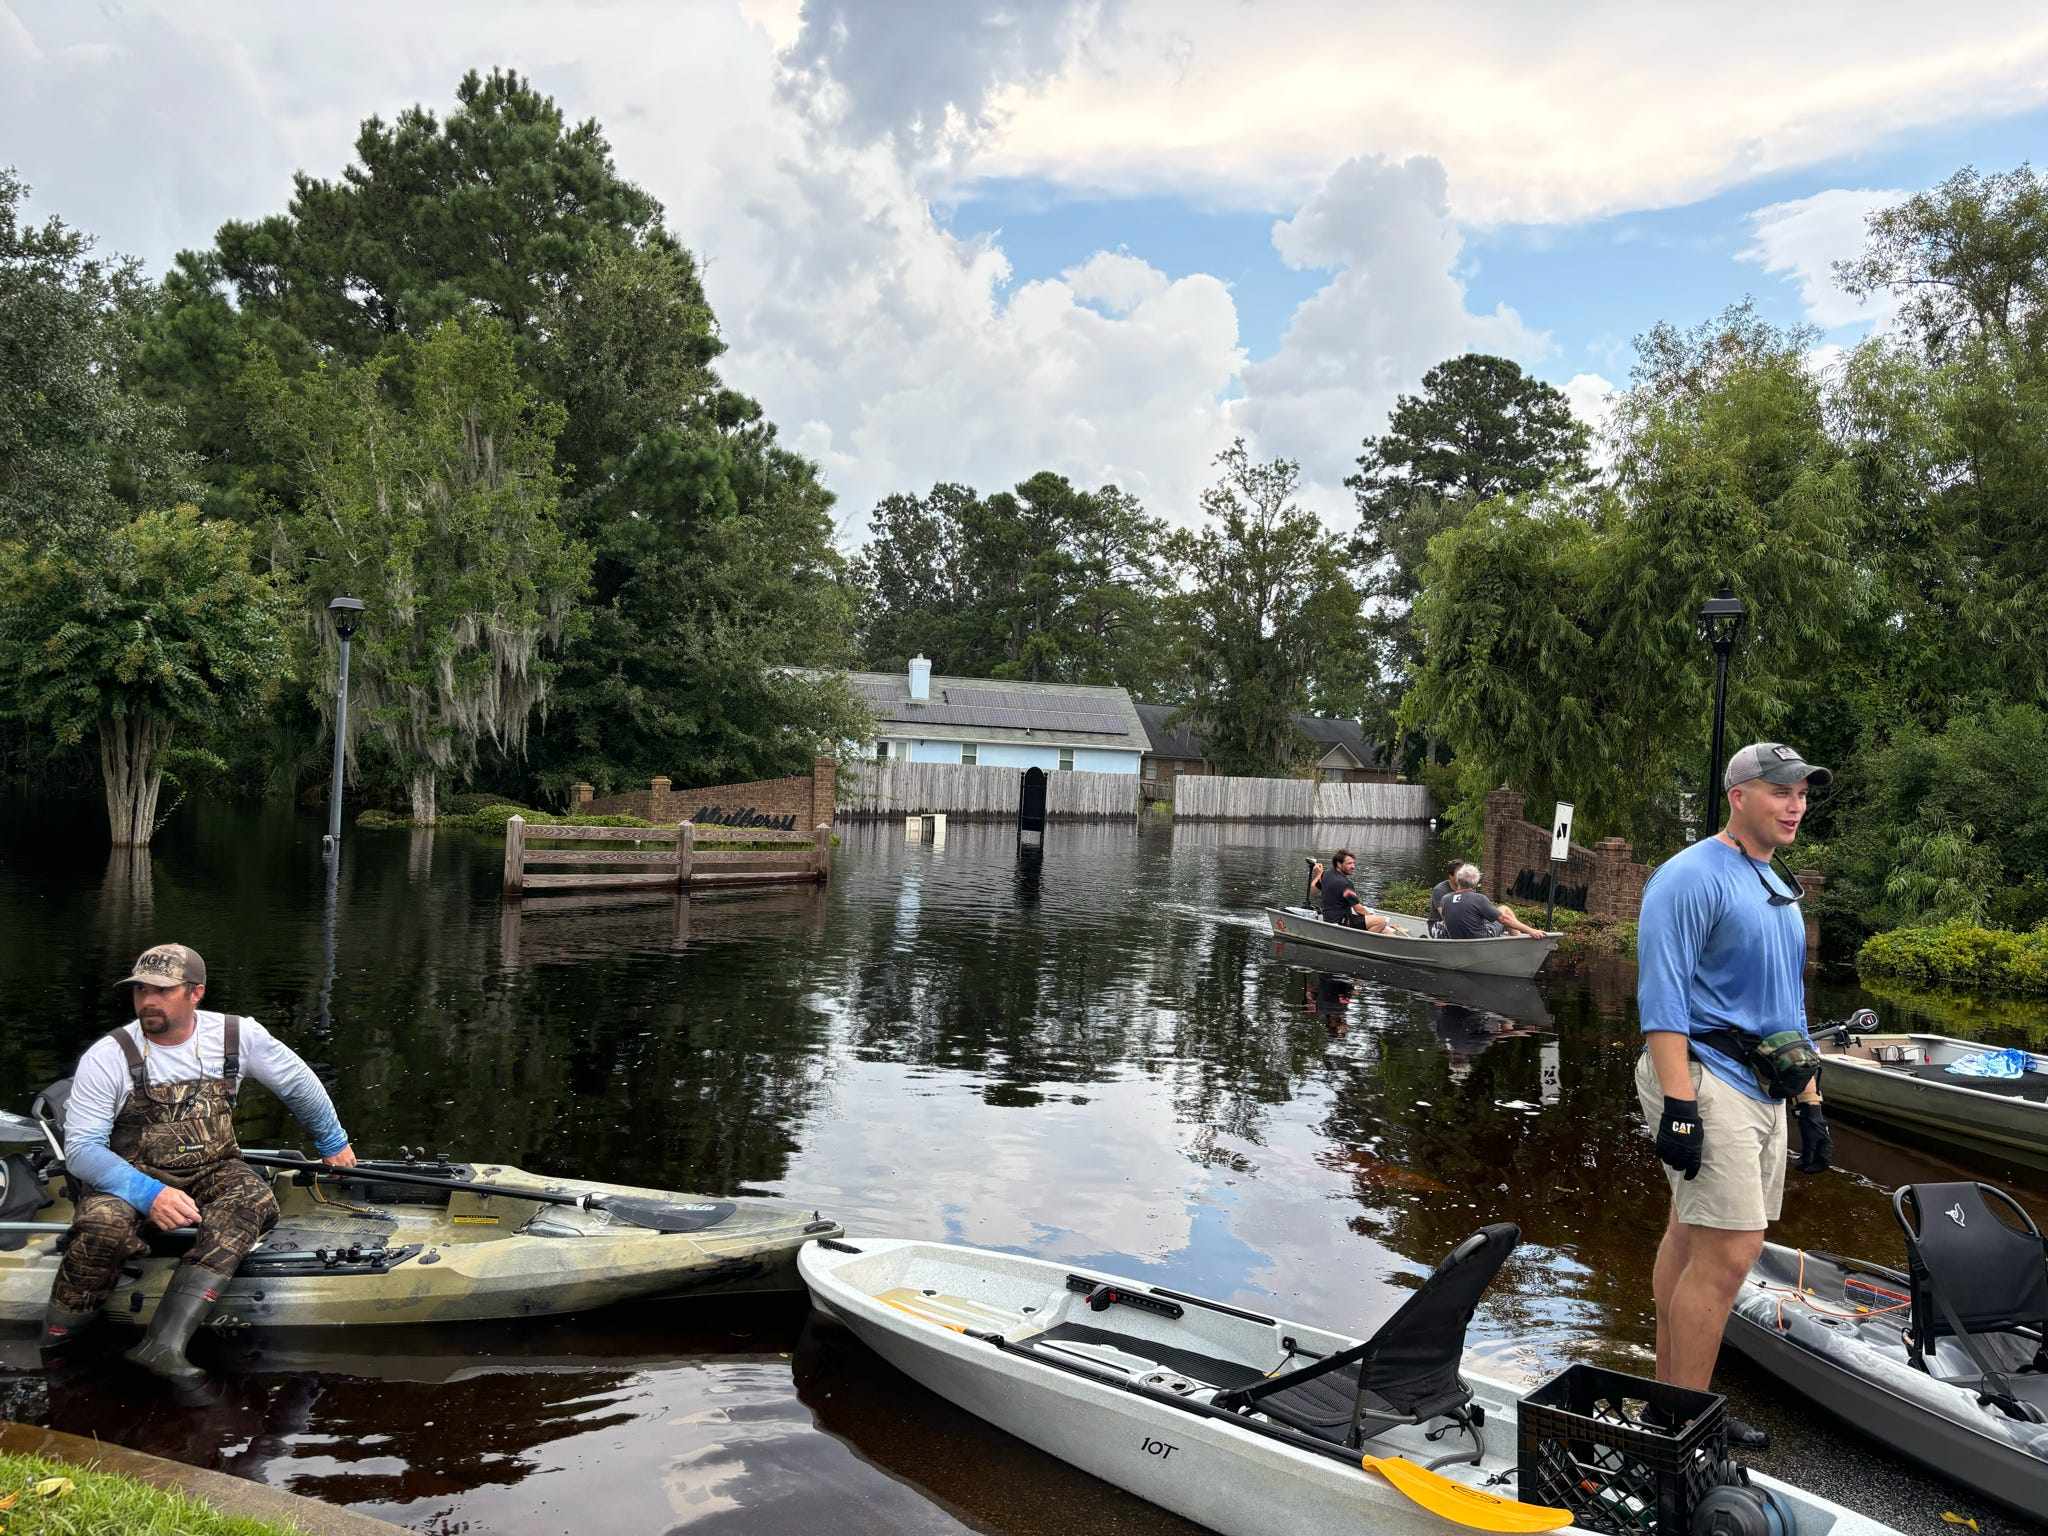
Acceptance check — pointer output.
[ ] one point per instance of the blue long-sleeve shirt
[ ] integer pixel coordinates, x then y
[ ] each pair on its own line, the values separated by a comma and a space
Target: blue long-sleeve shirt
1713, 953
100, 1087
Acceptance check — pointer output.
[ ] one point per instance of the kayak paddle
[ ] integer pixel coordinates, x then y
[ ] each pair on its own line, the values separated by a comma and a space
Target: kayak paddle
1467, 1506
634, 1211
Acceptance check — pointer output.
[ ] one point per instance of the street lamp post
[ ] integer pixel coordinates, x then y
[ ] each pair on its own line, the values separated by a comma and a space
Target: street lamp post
1721, 620
346, 611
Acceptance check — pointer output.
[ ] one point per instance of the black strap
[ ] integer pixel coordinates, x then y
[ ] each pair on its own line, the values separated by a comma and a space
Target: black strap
231, 1053
138, 1074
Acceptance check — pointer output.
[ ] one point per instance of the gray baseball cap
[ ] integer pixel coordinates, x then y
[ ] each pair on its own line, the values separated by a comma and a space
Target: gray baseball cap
1774, 763
167, 965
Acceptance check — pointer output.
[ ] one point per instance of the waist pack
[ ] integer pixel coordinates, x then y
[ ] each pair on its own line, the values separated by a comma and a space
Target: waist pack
1783, 1062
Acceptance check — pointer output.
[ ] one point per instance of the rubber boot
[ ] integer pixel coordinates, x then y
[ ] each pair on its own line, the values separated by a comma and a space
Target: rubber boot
187, 1301
61, 1325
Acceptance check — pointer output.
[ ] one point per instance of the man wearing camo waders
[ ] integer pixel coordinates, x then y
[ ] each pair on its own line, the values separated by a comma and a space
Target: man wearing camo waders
1721, 987
150, 1134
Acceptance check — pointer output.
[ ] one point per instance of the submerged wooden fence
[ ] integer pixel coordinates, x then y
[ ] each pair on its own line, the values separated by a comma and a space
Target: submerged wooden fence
894, 788
689, 858
1220, 798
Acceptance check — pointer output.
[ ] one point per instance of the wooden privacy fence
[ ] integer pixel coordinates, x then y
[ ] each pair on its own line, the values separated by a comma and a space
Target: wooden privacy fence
1215, 797
893, 788
687, 859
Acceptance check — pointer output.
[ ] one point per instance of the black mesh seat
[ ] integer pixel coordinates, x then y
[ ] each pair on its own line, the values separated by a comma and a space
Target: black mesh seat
1972, 1274
1407, 1372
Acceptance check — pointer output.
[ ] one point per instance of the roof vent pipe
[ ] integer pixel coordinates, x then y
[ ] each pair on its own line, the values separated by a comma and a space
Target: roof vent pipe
920, 679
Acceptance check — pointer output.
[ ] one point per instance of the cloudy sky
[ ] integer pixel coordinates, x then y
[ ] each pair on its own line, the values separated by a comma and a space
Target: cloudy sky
969, 239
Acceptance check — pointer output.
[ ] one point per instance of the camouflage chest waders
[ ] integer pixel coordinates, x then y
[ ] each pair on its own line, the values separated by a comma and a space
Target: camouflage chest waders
182, 1134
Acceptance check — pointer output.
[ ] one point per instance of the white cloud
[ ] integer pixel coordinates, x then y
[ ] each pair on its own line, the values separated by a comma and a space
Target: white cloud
1537, 112
1802, 240
1591, 397
1394, 309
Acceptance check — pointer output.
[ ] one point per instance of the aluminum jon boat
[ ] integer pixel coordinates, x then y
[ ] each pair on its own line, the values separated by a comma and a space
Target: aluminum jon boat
1841, 1332
1902, 1079
389, 1243
1203, 1408
1407, 941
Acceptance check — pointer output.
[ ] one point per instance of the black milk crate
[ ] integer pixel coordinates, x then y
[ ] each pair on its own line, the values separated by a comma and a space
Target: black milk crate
1582, 1444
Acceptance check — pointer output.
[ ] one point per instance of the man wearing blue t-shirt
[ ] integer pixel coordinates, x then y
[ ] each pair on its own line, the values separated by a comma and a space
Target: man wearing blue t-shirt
1721, 987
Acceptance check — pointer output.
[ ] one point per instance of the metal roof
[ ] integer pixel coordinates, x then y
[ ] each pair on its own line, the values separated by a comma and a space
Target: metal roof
997, 709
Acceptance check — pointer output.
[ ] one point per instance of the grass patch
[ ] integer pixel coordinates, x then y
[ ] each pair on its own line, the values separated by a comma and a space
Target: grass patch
102, 1504
1585, 937
1403, 896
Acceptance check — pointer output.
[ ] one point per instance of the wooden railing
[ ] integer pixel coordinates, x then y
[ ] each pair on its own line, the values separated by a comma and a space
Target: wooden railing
690, 858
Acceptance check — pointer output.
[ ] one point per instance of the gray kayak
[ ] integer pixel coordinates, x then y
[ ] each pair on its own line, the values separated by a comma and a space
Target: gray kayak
1834, 1330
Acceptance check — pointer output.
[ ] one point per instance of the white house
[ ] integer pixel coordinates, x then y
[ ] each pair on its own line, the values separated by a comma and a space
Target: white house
995, 723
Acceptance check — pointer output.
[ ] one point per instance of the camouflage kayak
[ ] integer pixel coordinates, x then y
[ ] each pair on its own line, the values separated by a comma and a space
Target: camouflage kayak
368, 1249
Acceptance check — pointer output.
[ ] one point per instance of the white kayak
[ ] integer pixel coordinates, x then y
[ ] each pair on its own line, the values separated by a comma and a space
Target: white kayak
1147, 1389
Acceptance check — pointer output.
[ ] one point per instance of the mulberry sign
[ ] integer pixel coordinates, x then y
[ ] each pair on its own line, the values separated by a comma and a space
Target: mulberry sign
719, 815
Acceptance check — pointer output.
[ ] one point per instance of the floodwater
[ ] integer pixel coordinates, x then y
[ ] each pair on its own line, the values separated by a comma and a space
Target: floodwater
1103, 1059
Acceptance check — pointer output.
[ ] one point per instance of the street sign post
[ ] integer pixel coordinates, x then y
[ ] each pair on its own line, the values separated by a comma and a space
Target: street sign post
1560, 850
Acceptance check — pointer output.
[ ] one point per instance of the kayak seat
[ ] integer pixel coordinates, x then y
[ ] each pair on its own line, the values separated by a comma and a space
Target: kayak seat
1210, 1370
1406, 1373
1973, 1273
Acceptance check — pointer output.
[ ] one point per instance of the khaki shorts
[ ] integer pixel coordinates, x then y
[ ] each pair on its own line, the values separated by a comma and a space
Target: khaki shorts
1741, 1183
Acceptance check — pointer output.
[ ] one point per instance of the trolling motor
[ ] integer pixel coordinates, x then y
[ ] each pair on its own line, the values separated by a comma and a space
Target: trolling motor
1738, 1507
1850, 1032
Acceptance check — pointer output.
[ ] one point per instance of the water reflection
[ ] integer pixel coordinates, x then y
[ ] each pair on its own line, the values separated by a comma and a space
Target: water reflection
1094, 1053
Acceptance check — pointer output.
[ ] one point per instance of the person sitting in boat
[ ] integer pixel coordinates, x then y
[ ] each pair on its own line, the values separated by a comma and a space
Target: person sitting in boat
1341, 903
1469, 914
150, 1134
1442, 889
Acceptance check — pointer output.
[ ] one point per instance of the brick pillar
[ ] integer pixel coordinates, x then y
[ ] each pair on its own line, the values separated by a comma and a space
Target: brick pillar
1503, 809
824, 790
657, 798
1810, 883
581, 794
1610, 898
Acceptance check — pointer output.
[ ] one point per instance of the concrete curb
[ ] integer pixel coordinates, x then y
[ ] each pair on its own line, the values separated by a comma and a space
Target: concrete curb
230, 1495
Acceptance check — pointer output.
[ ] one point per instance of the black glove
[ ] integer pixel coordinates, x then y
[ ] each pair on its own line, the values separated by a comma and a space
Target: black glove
1680, 1137
1816, 1141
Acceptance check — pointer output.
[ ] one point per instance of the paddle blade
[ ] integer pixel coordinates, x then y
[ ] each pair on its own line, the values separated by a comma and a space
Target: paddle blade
668, 1215
1466, 1506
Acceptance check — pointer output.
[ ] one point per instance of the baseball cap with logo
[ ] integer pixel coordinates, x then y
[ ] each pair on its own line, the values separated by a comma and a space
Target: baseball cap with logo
167, 965
1774, 763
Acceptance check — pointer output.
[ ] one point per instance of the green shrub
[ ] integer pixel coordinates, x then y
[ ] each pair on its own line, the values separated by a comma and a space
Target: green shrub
376, 821
1404, 896
470, 801
1960, 955
492, 818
